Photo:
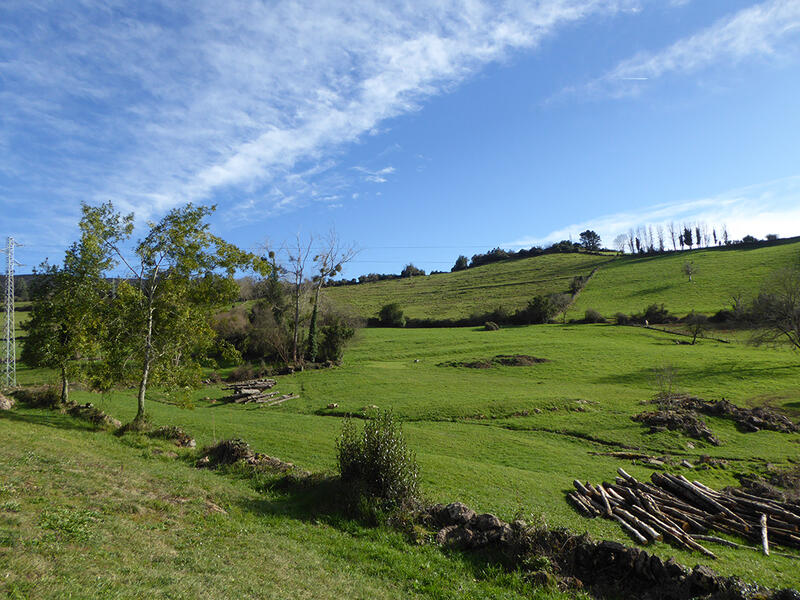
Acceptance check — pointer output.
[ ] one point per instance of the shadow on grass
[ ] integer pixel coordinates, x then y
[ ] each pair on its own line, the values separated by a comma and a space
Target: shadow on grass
48, 419
324, 498
688, 375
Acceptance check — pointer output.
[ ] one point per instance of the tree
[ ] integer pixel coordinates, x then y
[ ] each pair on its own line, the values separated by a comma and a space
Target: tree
696, 324
328, 262
462, 262
67, 304
620, 242
776, 310
590, 240
391, 315
159, 321
411, 271
672, 232
687, 236
689, 270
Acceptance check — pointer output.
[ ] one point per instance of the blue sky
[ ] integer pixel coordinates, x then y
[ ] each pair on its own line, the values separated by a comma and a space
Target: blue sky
419, 131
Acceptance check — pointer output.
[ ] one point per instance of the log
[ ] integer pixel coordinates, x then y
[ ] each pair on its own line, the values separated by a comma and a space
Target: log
631, 531
641, 525
606, 502
764, 538
583, 507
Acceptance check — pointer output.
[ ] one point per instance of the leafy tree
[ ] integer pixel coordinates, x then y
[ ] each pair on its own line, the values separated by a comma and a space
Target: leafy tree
749, 239
67, 305
776, 310
540, 309
590, 240
391, 315
462, 262
159, 320
411, 271
687, 237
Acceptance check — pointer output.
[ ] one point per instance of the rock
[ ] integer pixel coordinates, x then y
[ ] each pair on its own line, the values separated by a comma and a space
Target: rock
519, 525
485, 522
458, 513
685, 463
6, 403
456, 537
675, 569
690, 445
703, 580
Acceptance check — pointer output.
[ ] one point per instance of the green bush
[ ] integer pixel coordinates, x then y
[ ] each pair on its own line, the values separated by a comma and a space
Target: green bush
377, 461
334, 338
391, 315
592, 316
491, 326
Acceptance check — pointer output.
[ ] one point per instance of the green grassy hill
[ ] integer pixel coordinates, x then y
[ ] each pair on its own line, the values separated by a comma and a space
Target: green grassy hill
509, 284
629, 283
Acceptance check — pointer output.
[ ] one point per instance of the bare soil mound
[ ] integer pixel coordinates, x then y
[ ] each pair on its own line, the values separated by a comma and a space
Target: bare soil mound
506, 360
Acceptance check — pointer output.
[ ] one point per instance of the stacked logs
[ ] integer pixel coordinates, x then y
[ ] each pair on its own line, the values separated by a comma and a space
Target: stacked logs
680, 511
255, 391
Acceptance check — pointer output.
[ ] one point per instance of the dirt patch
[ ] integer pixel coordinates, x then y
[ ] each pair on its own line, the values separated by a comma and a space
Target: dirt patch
681, 412
677, 420
175, 433
505, 360
229, 452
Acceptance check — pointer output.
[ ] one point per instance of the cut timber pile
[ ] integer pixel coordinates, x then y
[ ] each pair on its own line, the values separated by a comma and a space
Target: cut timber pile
256, 391
681, 511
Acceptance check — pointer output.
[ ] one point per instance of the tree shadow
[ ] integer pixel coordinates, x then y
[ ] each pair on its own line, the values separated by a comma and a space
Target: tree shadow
688, 375
47, 419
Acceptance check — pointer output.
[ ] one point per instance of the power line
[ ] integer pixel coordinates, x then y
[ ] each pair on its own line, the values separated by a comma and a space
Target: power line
10, 346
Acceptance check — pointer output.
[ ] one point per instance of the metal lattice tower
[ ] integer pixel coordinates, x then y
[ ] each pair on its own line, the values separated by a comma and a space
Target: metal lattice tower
9, 335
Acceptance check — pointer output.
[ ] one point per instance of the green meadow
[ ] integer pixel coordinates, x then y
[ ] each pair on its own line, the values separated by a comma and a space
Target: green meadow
510, 440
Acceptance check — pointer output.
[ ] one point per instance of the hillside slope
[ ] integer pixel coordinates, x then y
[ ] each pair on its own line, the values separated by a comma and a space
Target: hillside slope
630, 283
509, 284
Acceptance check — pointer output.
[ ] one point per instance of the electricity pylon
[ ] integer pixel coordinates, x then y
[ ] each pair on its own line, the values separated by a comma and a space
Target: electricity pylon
9, 334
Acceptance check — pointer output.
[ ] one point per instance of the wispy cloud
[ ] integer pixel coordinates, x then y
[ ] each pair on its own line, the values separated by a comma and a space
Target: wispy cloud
150, 106
378, 176
767, 30
771, 207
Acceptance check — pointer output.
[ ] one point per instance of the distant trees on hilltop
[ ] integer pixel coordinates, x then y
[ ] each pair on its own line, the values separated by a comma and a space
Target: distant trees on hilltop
651, 239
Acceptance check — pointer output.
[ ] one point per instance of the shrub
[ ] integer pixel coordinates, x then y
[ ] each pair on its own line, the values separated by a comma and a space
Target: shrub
392, 315
622, 319
377, 461
411, 271
491, 326
656, 314
334, 338
43, 397
539, 310
592, 316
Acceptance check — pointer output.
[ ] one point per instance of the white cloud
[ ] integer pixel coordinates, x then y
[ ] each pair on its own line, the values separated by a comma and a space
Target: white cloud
378, 176
766, 30
151, 106
771, 207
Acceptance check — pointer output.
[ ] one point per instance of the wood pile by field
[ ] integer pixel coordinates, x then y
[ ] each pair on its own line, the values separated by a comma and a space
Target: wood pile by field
256, 391
680, 511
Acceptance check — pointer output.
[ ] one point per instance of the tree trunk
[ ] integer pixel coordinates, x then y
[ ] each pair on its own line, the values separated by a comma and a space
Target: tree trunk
64, 386
148, 352
312, 329
296, 322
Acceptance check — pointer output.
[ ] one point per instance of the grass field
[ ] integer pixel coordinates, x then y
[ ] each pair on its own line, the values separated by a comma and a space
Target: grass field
630, 283
509, 284
478, 435
86, 515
